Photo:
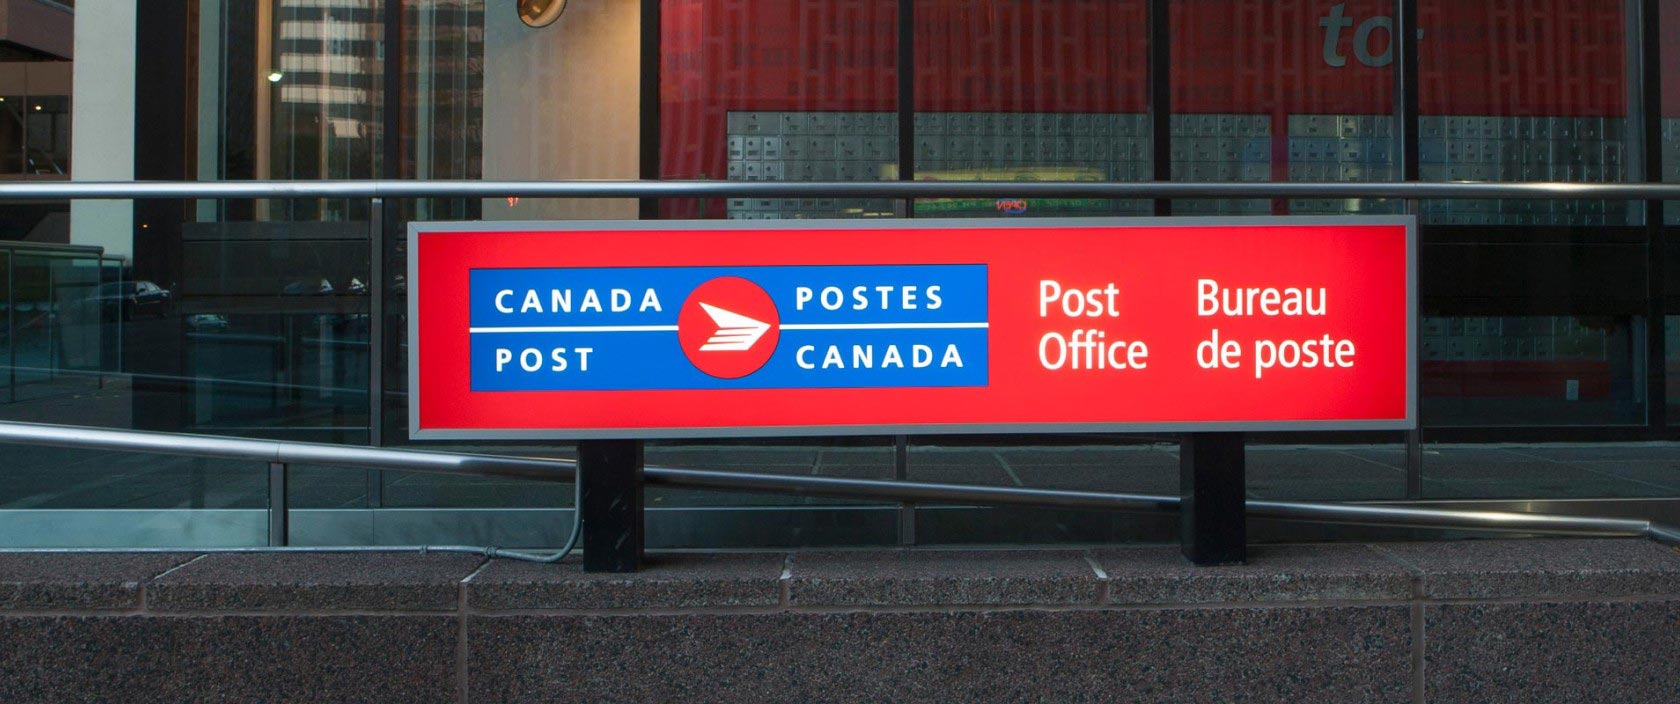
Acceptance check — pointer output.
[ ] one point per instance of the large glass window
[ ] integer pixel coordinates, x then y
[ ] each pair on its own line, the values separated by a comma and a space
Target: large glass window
35, 146
35, 119
473, 106
1668, 132
779, 90
1527, 91
61, 312
245, 318
256, 318
278, 348
1032, 90
1534, 309
1290, 91
1275, 91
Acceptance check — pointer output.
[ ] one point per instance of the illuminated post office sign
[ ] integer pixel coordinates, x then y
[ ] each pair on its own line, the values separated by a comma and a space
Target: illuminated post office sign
724, 328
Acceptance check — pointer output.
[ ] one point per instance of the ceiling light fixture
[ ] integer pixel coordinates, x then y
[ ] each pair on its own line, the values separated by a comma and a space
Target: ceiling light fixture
540, 13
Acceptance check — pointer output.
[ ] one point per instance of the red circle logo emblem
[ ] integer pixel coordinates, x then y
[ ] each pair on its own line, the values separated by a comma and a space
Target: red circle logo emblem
728, 327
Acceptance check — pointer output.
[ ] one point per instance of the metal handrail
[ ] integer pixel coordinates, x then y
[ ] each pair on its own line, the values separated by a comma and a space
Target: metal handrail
278, 452
829, 189
27, 248
546, 469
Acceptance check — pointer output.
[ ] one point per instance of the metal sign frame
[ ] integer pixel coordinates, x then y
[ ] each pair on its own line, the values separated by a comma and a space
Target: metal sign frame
418, 229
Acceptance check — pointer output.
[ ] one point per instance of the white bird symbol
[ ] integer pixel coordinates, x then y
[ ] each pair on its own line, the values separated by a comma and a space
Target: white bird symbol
735, 333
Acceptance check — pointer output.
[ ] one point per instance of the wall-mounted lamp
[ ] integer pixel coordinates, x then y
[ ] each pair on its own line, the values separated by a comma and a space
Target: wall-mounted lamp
275, 76
540, 13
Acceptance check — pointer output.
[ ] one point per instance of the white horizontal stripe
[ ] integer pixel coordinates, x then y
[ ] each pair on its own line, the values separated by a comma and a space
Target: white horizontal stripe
584, 328
887, 326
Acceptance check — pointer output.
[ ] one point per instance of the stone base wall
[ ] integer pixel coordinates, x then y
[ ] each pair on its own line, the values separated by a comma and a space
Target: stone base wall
1520, 621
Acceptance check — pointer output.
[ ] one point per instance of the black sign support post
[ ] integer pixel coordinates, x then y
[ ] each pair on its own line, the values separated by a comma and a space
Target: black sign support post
613, 526
1213, 518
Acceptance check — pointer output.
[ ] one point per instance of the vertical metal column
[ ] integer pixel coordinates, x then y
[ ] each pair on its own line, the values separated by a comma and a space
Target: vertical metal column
376, 322
11, 325
1656, 240
279, 518
1213, 518
614, 527
649, 116
1160, 97
392, 90
907, 98
1414, 437
52, 320
376, 344
1406, 86
387, 213
906, 116
1405, 42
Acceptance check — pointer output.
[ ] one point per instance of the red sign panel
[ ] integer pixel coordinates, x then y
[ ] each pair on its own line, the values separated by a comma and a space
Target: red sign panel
659, 329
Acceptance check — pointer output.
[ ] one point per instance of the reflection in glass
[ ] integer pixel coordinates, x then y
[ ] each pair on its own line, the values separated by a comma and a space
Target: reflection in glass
1526, 91
267, 328
1668, 14
326, 105
540, 13
1532, 370
778, 90
1039, 90
47, 139
12, 121
56, 339
1273, 91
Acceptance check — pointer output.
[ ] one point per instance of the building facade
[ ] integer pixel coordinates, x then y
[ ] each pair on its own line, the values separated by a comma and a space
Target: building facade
1548, 337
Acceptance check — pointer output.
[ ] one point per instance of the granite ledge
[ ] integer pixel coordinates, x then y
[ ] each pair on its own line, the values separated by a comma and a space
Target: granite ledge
1274, 573
1540, 568
290, 581
668, 581
193, 583
922, 577
80, 581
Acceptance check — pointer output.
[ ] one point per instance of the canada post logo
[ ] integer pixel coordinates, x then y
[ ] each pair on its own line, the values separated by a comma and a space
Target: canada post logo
729, 327
763, 327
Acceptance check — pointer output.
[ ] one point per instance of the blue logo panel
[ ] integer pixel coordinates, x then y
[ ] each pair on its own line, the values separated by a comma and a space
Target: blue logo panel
853, 294
831, 327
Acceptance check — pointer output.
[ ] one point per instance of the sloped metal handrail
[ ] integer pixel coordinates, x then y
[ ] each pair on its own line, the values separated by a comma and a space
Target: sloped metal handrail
546, 469
75, 190
286, 452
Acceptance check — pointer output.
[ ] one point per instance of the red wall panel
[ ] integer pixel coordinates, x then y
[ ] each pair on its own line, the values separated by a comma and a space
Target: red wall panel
1522, 57
1032, 56
1270, 57
1477, 57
